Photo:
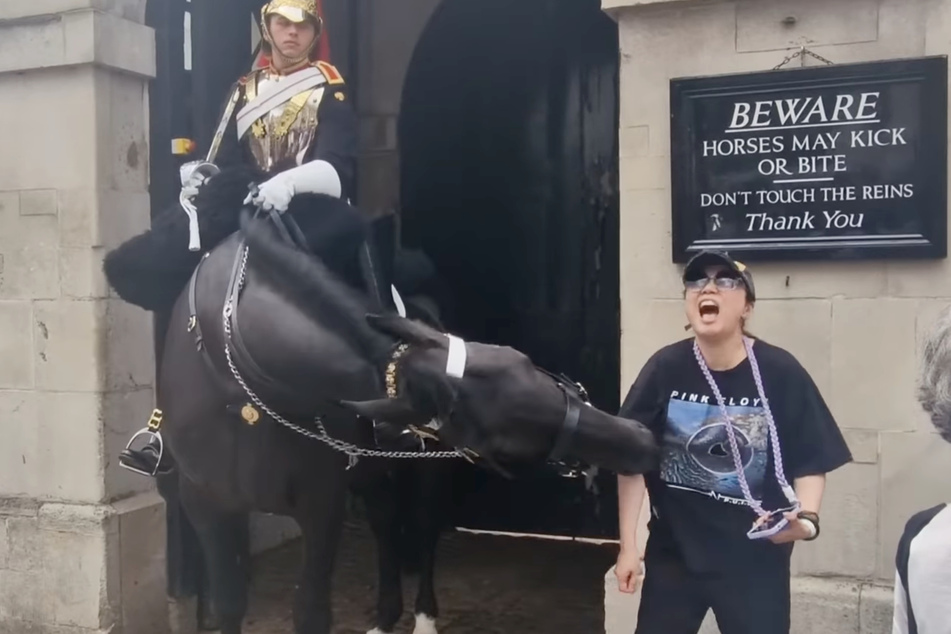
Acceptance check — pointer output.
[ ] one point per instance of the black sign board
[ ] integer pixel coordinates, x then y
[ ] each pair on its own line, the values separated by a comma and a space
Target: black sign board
830, 162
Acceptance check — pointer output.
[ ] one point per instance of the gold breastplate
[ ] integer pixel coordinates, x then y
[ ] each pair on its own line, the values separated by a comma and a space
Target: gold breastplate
286, 132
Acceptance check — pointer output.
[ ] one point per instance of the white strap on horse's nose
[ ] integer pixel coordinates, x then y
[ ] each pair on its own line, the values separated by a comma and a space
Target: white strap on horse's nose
456, 361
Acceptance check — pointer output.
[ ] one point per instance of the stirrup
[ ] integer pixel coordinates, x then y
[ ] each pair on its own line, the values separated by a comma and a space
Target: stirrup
153, 435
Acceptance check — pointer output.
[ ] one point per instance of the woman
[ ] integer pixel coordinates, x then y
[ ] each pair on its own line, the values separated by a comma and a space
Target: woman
737, 419
923, 559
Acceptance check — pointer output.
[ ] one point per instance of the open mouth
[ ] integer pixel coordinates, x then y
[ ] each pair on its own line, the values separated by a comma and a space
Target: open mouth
709, 310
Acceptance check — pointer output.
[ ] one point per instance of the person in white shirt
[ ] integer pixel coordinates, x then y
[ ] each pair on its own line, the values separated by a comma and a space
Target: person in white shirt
923, 561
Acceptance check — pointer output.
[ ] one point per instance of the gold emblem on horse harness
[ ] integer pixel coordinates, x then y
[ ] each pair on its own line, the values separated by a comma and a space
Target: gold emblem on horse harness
250, 414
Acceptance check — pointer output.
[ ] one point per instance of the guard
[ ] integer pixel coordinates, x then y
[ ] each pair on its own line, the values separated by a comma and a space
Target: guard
291, 120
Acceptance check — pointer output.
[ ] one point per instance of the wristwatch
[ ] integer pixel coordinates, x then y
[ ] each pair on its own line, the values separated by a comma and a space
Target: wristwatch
811, 518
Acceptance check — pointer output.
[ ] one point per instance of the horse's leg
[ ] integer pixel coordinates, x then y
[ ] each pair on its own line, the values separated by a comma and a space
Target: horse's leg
223, 538
430, 486
379, 495
321, 522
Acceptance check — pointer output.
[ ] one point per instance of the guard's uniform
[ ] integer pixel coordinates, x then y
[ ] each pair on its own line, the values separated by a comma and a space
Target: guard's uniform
316, 122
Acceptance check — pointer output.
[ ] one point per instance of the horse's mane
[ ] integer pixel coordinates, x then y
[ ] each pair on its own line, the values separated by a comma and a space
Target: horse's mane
306, 280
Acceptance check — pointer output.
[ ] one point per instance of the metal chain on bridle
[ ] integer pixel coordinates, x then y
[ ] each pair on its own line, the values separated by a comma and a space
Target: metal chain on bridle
770, 422
353, 452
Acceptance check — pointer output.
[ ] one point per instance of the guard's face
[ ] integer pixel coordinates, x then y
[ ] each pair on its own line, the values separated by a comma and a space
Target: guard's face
716, 302
292, 39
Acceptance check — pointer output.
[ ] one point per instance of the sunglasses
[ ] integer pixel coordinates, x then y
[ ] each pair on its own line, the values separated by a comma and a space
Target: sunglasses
724, 281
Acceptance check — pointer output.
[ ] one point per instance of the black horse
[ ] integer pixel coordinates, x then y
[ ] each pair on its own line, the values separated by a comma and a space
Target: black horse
264, 412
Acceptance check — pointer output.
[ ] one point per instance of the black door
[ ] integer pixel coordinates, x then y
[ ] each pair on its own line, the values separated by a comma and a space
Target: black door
508, 142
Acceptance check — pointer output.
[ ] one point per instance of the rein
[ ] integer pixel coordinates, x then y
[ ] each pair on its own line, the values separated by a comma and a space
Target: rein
235, 350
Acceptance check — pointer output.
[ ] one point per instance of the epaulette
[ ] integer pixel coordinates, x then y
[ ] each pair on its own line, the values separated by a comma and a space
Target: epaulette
330, 72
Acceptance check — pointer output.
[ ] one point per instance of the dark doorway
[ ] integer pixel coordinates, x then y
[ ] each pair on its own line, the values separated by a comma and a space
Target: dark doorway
508, 153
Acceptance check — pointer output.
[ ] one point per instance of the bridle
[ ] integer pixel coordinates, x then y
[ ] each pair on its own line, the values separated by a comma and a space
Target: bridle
234, 349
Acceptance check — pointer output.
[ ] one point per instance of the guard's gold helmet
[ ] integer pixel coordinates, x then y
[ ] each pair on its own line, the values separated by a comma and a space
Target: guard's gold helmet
293, 10
296, 11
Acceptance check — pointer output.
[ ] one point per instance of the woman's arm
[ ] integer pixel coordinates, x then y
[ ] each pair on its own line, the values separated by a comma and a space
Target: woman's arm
640, 404
628, 568
630, 493
809, 490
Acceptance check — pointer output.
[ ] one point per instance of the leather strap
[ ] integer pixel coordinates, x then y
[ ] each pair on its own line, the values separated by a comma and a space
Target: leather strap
568, 428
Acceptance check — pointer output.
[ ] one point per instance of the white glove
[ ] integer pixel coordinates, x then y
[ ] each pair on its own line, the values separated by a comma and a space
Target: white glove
315, 177
194, 174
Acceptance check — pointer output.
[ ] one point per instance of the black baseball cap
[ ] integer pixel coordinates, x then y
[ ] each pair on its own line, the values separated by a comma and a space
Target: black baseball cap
696, 266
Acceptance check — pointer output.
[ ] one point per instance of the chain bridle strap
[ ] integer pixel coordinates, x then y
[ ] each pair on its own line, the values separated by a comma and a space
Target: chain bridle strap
788, 491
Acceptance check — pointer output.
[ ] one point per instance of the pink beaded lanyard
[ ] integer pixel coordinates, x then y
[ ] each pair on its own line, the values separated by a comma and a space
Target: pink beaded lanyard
769, 522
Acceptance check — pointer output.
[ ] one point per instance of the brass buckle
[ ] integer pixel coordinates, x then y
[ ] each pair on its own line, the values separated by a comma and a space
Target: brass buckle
155, 420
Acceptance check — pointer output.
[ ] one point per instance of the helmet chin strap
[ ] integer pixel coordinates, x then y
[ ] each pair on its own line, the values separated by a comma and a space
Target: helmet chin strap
291, 62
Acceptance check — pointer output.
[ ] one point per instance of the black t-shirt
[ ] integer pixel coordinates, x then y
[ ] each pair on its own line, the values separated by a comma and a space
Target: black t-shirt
698, 510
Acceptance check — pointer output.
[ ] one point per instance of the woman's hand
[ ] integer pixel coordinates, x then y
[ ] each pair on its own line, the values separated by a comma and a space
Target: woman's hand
794, 531
629, 570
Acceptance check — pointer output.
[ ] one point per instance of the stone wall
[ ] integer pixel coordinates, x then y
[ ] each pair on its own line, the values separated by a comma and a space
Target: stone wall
81, 541
854, 326
389, 32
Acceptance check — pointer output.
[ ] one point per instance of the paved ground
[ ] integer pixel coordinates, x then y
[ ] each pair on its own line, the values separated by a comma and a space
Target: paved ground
485, 585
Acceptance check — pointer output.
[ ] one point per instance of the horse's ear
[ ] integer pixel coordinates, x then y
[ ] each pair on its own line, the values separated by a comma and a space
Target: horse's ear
407, 330
397, 411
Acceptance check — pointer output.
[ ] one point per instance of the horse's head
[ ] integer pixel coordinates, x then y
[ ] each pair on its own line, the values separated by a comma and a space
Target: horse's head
493, 400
